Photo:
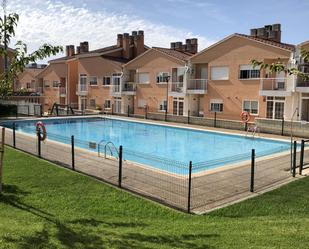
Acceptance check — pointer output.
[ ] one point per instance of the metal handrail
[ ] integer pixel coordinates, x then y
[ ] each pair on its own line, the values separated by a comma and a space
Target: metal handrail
108, 145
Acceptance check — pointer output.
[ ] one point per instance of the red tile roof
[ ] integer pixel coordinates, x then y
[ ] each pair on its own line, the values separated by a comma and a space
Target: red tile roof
174, 53
269, 42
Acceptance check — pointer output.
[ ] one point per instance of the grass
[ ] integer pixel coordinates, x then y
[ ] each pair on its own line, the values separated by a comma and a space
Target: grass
44, 206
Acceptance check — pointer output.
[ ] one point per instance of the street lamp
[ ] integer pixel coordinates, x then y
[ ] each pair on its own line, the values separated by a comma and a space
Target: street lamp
167, 78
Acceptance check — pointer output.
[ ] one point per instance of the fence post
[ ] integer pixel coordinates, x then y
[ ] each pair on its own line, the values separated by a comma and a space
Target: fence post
146, 109
41, 110
39, 142
73, 152
294, 158
246, 126
282, 126
189, 187
252, 170
302, 154
188, 116
14, 135
112, 109
128, 111
120, 167
28, 110
215, 120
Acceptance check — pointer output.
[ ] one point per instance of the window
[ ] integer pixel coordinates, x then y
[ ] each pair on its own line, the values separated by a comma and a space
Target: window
216, 105
46, 83
178, 74
82, 82
275, 107
56, 83
107, 104
143, 78
161, 77
163, 105
93, 81
106, 80
219, 73
248, 72
28, 85
92, 103
141, 103
251, 106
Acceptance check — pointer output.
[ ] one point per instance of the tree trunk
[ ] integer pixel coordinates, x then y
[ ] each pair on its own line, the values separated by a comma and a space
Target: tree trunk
1, 156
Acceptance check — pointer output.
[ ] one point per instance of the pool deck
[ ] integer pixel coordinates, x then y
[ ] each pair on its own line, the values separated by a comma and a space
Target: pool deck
209, 191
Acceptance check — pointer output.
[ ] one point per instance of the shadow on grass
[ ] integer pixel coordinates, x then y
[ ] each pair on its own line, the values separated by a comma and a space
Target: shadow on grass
90, 233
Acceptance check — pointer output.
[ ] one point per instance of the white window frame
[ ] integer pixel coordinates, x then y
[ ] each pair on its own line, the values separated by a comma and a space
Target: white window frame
110, 104
90, 78
219, 79
145, 73
162, 104
160, 78
56, 82
249, 68
251, 100
110, 80
216, 102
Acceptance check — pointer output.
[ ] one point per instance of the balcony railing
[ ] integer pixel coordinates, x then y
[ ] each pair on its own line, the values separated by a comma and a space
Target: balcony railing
62, 91
115, 89
82, 89
197, 84
303, 82
129, 87
176, 87
273, 84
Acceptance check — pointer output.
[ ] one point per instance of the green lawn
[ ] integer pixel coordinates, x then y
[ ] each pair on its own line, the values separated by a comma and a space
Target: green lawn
44, 206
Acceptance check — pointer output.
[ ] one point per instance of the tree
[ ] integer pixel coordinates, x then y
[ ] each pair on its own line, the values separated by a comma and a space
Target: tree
278, 66
20, 57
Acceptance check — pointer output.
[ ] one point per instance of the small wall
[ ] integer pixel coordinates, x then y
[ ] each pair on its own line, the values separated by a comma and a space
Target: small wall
275, 127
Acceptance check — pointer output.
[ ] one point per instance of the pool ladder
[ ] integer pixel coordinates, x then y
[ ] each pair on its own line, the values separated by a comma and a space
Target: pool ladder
108, 146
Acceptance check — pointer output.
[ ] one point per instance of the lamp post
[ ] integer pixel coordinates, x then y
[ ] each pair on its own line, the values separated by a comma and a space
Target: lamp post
167, 78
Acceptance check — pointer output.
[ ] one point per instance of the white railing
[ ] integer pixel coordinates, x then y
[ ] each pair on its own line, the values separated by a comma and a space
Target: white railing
197, 84
303, 82
82, 88
273, 84
115, 89
62, 91
129, 87
177, 87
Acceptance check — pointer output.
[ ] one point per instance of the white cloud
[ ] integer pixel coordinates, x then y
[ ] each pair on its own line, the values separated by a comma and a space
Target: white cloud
61, 23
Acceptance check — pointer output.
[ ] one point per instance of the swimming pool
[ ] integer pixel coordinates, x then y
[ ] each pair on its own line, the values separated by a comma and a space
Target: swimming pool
158, 145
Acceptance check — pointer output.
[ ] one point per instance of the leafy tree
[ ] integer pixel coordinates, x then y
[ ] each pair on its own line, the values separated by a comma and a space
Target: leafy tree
278, 66
20, 57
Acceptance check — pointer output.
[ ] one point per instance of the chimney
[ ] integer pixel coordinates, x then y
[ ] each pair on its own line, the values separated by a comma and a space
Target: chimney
178, 46
138, 42
78, 49
126, 46
119, 40
84, 47
194, 46
173, 45
71, 50
268, 32
67, 50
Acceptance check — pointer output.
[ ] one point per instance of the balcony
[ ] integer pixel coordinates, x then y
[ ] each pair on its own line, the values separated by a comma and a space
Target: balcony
129, 88
197, 86
176, 89
115, 90
81, 89
274, 87
62, 91
302, 85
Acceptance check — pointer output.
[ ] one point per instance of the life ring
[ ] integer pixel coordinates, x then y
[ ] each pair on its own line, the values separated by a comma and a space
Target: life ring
39, 125
245, 117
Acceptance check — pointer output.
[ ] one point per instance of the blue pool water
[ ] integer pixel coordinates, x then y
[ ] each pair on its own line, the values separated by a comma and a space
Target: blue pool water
163, 147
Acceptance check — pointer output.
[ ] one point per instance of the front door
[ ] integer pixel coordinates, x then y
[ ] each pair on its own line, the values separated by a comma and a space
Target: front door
117, 105
178, 105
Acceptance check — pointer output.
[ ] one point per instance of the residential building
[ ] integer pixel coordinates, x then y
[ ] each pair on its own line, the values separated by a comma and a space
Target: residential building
28, 81
234, 85
87, 76
144, 82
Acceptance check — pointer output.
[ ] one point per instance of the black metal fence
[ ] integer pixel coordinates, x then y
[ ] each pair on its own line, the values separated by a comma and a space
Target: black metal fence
304, 156
188, 186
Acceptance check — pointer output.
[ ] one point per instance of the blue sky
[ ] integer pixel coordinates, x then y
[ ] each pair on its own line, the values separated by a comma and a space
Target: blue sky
65, 22
216, 19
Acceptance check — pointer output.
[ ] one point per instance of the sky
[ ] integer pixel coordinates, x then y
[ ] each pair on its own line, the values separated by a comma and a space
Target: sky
61, 22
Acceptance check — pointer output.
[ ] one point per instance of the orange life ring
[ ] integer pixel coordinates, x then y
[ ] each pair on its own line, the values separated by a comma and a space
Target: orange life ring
245, 117
39, 125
